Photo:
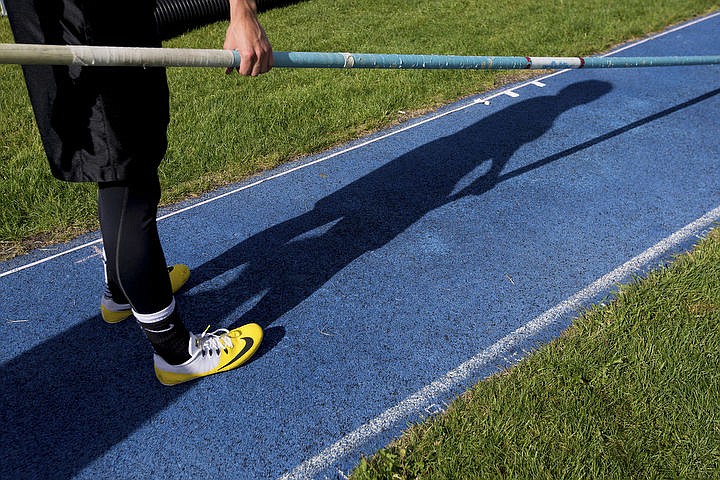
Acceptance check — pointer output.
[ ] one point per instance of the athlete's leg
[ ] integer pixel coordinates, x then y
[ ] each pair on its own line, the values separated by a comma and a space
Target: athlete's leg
136, 269
135, 263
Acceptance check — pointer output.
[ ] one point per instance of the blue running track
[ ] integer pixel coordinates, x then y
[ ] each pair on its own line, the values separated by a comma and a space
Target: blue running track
389, 275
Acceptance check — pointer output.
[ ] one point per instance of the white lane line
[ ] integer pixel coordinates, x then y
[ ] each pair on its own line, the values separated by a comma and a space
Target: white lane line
51, 257
417, 402
663, 33
484, 100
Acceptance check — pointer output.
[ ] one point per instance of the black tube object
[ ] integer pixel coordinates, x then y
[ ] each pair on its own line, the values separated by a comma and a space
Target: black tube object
174, 17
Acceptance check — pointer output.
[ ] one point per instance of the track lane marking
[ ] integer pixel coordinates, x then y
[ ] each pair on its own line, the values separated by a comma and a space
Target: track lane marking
417, 402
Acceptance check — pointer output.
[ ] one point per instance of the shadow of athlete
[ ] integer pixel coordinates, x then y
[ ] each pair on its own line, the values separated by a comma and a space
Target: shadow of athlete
286, 263
64, 405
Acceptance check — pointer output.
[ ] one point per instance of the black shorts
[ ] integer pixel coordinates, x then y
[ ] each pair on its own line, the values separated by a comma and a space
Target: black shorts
97, 124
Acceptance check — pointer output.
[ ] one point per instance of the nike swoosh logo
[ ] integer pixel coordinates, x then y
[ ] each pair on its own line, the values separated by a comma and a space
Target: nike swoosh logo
164, 330
248, 345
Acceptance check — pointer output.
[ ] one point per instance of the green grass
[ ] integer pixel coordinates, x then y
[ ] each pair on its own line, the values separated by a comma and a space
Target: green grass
631, 390
226, 128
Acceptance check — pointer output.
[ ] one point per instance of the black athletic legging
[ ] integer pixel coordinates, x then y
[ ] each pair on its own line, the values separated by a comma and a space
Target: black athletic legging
136, 268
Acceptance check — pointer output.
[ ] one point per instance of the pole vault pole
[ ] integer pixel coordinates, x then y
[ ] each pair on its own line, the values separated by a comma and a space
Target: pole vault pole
26, 54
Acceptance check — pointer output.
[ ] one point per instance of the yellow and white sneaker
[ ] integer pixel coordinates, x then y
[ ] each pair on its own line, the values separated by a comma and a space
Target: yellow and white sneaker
211, 353
113, 312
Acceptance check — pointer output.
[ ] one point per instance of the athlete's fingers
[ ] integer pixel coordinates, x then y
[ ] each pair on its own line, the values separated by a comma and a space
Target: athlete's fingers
246, 36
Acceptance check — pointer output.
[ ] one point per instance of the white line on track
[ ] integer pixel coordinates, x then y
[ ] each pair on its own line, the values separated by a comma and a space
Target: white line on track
481, 100
416, 403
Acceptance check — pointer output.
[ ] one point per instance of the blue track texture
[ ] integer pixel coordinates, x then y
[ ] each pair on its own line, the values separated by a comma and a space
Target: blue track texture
374, 271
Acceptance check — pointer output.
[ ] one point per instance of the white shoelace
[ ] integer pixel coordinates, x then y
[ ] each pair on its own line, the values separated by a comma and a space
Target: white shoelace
213, 341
